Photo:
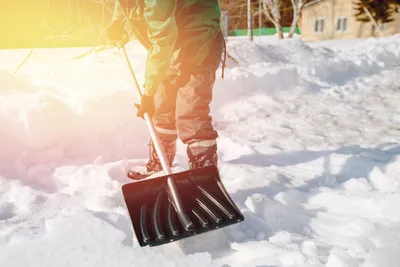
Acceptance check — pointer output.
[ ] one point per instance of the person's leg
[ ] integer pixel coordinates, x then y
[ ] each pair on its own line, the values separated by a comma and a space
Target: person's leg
194, 123
165, 105
164, 118
164, 122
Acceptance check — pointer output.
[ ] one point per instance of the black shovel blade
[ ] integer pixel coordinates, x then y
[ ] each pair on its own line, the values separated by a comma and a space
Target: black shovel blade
204, 198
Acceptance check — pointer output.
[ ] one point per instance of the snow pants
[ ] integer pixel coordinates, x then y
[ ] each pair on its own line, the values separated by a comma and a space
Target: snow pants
182, 102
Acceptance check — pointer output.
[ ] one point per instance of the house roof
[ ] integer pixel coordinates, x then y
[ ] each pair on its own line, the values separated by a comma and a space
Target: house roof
312, 2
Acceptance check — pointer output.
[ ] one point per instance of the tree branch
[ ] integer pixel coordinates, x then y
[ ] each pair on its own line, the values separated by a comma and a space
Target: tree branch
267, 13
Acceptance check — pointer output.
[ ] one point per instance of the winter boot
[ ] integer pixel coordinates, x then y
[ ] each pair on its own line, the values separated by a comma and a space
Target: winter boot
202, 156
154, 164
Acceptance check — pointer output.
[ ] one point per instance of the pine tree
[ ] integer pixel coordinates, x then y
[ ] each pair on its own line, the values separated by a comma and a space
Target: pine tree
396, 4
380, 10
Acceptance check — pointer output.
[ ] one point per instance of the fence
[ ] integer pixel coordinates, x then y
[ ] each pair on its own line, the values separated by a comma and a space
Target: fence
261, 31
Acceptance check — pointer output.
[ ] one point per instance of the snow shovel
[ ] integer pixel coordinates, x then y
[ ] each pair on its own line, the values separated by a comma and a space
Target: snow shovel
175, 206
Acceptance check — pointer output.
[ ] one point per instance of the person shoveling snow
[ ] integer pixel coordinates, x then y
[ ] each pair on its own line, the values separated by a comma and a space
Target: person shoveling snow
184, 44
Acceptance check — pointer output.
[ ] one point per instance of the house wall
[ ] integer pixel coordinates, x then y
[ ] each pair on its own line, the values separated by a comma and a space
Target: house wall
331, 10
320, 10
355, 29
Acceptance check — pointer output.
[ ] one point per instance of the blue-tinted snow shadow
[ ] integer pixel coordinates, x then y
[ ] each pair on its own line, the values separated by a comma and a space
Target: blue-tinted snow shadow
360, 163
119, 222
289, 215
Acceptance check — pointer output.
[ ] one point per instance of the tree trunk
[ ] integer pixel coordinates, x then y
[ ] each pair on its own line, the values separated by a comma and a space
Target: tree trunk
375, 26
297, 6
278, 27
272, 11
249, 21
294, 24
373, 30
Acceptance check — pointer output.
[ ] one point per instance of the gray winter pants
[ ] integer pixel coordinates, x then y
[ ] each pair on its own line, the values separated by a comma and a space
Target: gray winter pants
182, 102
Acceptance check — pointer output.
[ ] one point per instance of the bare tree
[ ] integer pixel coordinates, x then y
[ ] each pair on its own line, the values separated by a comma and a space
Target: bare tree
272, 10
105, 7
297, 8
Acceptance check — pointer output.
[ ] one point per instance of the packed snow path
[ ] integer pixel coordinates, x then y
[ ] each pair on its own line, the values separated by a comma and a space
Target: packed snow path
309, 151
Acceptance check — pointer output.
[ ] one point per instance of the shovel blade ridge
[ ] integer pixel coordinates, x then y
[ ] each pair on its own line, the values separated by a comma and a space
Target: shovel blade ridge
204, 198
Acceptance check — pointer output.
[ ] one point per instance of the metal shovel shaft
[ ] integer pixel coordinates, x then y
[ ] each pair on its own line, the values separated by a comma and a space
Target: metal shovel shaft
172, 191
156, 140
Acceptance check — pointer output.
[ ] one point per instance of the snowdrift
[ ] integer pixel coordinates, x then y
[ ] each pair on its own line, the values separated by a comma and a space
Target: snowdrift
70, 111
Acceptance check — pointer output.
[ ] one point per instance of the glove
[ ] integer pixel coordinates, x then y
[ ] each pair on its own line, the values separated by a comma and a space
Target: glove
116, 33
146, 106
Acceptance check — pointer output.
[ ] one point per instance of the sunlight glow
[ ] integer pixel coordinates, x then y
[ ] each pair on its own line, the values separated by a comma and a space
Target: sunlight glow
45, 23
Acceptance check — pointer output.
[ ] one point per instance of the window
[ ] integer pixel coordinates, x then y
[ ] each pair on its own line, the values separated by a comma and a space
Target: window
341, 24
319, 25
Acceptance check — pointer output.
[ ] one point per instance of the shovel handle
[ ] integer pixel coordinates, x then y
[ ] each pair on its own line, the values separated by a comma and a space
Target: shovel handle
154, 137
172, 190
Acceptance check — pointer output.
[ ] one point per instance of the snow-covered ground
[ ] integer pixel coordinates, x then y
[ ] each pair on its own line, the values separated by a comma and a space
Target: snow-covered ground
309, 149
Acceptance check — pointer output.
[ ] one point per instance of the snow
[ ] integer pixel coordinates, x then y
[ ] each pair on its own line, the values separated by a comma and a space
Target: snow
309, 151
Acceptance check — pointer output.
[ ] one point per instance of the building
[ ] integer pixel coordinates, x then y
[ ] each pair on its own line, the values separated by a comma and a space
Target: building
334, 19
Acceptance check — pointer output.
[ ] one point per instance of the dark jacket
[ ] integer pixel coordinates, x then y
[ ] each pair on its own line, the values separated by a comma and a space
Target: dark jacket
169, 29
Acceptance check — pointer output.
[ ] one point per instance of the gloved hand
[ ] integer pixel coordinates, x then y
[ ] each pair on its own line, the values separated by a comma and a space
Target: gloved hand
116, 33
146, 105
